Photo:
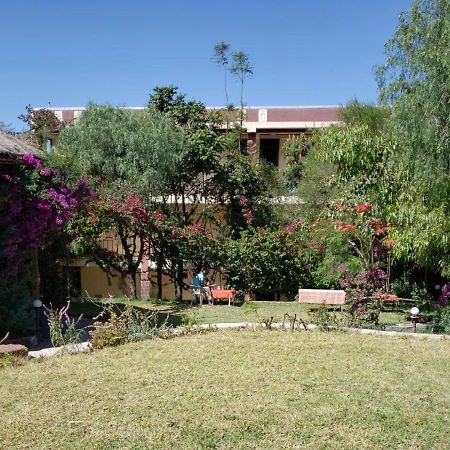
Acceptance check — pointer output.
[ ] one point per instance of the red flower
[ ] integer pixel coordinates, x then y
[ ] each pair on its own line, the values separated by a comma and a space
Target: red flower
362, 207
348, 227
377, 223
341, 207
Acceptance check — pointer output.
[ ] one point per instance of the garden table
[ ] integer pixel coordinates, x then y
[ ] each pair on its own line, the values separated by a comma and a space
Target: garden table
223, 294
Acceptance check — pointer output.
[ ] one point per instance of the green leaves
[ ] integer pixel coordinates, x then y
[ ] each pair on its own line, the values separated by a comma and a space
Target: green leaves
123, 149
415, 80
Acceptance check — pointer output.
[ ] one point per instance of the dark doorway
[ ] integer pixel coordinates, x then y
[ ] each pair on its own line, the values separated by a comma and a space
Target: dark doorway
269, 150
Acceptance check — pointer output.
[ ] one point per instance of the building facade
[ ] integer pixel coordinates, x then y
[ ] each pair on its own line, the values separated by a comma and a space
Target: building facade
267, 127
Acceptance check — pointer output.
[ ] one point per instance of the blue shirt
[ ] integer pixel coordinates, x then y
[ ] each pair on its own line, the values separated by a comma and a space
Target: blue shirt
198, 280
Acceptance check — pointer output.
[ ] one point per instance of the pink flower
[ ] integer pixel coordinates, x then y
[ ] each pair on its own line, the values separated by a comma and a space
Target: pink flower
248, 216
159, 216
46, 172
289, 228
243, 201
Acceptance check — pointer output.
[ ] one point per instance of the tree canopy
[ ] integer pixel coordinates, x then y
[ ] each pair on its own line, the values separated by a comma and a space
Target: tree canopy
415, 82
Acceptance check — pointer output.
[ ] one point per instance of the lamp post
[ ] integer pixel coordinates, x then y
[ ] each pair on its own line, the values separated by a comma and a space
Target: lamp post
414, 316
37, 304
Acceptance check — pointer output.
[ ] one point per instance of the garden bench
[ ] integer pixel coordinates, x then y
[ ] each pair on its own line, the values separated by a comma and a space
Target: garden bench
321, 296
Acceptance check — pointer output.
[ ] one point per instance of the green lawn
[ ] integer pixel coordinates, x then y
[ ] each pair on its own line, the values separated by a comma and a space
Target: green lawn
235, 389
247, 312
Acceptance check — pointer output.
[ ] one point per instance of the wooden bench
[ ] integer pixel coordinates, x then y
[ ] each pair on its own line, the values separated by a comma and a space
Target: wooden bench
321, 296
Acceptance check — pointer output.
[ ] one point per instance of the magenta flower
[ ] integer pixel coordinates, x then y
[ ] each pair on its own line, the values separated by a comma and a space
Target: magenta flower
32, 160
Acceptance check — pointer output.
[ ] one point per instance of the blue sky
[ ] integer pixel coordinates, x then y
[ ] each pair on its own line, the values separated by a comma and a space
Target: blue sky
304, 52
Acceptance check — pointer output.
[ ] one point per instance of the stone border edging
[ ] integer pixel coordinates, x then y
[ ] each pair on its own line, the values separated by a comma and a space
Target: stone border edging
86, 346
72, 348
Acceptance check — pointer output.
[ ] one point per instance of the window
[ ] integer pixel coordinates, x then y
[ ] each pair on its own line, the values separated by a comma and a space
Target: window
49, 145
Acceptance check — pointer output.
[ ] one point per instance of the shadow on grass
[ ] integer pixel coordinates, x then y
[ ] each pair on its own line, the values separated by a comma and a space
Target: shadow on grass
173, 313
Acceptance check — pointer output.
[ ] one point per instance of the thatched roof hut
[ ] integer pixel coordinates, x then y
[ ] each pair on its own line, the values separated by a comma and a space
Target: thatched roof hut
11, 147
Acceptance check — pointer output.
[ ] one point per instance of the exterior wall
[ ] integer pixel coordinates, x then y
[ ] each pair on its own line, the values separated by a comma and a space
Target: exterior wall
97, 284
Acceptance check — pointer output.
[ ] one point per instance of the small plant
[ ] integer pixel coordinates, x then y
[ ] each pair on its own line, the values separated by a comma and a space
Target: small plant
324, 318
293, 319
420, 294
128, 325
268, 322
365, 311
63, 329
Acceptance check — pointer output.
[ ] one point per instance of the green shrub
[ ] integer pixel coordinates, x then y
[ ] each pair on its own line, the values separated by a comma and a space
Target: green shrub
324, 318
444, 318
128, 325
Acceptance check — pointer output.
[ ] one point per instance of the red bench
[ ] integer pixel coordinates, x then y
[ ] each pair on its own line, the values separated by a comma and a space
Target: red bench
223, 294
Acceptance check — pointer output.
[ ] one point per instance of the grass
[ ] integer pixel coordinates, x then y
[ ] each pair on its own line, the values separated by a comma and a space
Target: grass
236, 389
245, 312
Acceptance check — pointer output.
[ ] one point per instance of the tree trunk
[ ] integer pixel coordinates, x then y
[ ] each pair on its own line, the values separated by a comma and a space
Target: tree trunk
133, 283
179, 281
35, 279
159, 268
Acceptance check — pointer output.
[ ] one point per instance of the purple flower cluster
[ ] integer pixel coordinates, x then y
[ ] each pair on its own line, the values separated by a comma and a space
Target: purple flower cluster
376, 273
32, 160
34, 217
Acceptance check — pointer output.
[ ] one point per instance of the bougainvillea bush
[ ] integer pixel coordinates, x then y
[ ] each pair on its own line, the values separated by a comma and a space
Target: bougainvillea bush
35, 206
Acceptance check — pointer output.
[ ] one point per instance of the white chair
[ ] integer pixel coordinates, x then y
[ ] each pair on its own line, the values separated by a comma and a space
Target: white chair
197, 292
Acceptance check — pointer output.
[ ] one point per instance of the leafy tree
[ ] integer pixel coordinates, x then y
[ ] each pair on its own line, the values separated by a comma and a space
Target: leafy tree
414, 80
221, 58
42, 123
241, 68
129, 157
364, 156
368, 114
192, 190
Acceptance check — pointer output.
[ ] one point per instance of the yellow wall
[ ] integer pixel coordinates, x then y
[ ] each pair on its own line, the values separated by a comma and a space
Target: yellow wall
96, 283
